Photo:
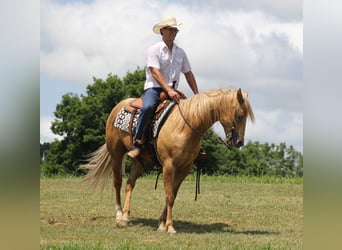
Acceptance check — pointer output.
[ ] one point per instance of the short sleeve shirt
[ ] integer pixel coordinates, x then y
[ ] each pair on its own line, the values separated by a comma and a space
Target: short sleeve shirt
169, 64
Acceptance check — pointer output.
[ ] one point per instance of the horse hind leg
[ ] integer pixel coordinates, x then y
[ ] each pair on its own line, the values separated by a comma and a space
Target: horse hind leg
117, 183
135, 172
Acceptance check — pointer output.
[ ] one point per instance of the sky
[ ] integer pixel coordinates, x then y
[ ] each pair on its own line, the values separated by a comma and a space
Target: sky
253, 45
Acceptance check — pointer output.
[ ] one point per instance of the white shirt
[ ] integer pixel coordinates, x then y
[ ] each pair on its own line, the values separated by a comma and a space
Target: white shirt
169, 64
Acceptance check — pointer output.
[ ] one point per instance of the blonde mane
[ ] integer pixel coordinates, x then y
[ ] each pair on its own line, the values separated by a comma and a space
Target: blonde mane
209, 103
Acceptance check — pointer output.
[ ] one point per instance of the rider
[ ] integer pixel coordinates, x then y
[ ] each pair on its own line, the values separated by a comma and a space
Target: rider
165, 62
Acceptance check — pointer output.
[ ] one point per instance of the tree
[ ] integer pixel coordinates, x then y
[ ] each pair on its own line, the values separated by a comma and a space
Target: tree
43, 148
81, 120
253, 159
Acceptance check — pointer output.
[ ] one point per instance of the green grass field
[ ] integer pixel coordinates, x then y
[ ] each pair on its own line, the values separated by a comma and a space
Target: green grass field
230, 213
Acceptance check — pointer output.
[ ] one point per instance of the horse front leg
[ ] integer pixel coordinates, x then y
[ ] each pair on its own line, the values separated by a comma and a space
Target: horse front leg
162, 221
165, 222
136, 171
166, 216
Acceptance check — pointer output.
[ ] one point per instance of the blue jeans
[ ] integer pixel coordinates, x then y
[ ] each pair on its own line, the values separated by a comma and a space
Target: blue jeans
150, 103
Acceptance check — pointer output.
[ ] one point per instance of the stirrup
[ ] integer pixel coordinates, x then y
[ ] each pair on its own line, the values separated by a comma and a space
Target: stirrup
133, 153
135, 149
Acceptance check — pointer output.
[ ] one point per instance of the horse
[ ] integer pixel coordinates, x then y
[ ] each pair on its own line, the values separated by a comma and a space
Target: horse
177, 146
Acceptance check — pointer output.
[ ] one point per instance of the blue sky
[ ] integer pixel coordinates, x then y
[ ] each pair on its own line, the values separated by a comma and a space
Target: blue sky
256, 45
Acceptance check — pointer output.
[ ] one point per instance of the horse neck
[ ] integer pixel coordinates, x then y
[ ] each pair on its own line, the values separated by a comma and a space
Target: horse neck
201, 113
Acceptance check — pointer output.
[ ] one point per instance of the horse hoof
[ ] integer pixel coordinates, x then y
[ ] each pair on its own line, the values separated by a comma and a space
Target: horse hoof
122, 223
171, 232
162, 229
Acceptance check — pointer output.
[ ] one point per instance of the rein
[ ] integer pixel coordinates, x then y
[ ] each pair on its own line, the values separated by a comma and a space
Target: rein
201, 155
187, 123
224, 143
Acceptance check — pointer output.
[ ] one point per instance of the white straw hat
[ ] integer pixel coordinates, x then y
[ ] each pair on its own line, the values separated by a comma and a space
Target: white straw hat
167, 21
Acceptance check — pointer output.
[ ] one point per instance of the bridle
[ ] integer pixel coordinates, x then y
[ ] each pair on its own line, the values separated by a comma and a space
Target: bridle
230, 137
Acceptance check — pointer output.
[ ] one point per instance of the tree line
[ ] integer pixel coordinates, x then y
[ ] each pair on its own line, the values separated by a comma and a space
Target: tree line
80, 120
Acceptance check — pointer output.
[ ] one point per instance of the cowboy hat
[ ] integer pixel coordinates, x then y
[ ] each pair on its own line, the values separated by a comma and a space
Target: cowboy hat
167, 21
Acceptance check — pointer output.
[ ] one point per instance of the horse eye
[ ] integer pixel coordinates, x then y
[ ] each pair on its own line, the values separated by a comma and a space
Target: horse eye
239, 118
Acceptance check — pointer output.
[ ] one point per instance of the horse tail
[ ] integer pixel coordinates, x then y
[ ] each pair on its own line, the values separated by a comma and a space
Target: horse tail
99, 168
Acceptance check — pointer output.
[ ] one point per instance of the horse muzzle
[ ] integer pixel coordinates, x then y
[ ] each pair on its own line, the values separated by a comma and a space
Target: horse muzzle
239, 143
233, 140
230, 143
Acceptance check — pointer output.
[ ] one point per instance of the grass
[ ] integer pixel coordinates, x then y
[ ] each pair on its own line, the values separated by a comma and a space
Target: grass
230, 213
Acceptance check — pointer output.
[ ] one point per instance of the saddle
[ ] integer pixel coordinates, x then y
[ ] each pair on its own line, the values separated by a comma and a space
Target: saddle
136, 104
127, 118
134, 108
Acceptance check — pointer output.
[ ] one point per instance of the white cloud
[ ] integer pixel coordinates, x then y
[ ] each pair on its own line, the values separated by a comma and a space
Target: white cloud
46, 134
255, 45
252, 27
80, 40
277, 126
285, 10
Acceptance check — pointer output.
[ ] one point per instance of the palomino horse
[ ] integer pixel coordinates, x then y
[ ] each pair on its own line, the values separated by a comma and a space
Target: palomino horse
177, 146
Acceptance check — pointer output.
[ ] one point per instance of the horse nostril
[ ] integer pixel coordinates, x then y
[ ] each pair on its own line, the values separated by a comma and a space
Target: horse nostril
239, 143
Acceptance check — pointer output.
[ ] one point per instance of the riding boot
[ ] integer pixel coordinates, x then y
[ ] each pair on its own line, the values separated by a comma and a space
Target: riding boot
135, 149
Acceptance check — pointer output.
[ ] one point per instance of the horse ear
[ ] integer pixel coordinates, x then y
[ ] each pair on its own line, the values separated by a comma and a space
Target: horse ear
239, 96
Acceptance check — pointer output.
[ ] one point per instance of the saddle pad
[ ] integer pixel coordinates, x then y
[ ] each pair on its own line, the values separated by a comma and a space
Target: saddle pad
158, 123
122, 120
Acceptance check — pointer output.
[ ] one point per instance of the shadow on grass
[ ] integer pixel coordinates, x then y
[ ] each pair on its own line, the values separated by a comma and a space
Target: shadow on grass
189, 227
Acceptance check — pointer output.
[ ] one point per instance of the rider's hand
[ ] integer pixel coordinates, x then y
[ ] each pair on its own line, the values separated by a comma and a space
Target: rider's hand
174, 95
